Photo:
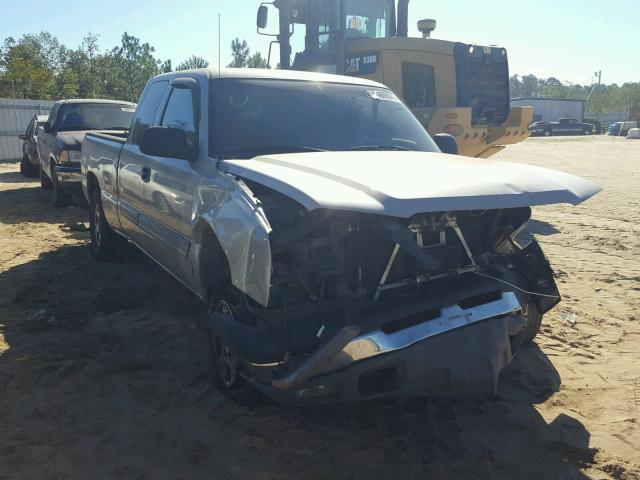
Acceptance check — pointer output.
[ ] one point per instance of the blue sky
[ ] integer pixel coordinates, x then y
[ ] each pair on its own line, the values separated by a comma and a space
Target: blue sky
569, 39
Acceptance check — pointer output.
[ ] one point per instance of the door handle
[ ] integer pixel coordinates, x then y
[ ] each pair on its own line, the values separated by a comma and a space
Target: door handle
145, 174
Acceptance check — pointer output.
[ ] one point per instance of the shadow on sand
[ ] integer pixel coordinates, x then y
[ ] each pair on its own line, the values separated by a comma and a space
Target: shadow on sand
104, 373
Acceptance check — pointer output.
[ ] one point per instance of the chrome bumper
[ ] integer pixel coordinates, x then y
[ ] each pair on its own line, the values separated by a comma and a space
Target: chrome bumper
68, 175
377, 343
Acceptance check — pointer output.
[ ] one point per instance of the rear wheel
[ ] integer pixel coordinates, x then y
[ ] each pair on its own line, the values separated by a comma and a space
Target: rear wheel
547, 133
105, 243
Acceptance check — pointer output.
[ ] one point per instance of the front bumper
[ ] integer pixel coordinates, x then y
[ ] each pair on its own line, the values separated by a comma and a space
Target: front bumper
460, 351
69, 176
465, 361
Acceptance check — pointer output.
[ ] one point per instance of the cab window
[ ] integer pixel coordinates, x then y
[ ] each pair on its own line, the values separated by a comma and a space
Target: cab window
148, 109
368, 18
30, 128
179, 114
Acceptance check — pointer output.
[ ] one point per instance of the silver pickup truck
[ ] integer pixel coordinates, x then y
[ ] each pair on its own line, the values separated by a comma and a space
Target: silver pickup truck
342, 255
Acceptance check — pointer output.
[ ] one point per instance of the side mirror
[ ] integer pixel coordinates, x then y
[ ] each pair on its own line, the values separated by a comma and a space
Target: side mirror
446, 143
166, 142
23, 137
47, 127
263, 17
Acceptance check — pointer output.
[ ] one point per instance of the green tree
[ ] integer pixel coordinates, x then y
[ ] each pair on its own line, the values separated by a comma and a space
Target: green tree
240, 53
192, 63
29, 65
166, 66
256, 61
135, 63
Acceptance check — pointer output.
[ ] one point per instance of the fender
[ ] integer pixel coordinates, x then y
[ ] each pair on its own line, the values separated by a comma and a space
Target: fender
236, 217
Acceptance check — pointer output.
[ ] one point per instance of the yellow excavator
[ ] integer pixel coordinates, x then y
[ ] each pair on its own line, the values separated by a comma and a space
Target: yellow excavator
451, 87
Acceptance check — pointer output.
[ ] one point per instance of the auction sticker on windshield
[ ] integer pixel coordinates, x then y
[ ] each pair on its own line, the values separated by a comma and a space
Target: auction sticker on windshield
383, 95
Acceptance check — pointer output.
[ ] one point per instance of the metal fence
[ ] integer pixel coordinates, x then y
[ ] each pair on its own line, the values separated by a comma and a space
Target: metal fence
15, 115
608, 118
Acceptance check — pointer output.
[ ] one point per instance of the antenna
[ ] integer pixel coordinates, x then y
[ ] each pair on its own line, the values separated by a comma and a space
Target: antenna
219, 47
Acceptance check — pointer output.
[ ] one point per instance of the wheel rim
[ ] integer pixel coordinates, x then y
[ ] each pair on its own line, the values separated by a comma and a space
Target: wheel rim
97, 229
226, 361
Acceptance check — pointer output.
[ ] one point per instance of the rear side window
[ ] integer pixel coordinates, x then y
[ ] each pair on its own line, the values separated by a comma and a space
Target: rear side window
419, 85
148, 109
179, 114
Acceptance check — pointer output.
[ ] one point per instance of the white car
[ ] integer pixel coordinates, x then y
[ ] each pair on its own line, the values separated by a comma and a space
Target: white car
634, 134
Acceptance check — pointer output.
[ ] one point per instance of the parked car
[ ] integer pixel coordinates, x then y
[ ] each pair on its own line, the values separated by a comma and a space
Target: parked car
634, 134
29, 164
342, 255
621, 129
61, 137
564, 126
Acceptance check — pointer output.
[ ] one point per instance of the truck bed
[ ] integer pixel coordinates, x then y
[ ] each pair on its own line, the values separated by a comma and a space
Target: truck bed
100, 152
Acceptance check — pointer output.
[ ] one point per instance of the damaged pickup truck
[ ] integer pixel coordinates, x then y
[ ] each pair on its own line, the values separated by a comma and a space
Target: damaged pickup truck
342, 254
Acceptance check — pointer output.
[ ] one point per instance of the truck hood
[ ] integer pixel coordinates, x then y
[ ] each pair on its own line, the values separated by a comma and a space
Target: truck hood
402, 184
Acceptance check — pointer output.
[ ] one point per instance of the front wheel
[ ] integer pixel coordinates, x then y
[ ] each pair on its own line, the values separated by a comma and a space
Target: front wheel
105, 243
26, 168
45, 181
227, 366
59, 198
534, 321
547, 133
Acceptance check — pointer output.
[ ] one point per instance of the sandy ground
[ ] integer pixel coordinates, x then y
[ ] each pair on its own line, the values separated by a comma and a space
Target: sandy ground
103, 367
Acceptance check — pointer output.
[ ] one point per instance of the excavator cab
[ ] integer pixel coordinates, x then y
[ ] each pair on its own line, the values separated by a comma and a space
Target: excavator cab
451, 87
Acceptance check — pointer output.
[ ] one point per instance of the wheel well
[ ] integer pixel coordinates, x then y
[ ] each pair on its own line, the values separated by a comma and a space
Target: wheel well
213, 265
92, 184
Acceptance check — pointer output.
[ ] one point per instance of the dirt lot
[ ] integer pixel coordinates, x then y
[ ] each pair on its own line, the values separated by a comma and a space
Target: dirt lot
103, 368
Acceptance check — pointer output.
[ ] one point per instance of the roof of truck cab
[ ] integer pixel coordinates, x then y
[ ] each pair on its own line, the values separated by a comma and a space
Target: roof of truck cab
275, 74
95, 100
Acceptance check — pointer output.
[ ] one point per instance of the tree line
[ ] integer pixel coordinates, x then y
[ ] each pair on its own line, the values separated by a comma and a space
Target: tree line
38, 66
601, 98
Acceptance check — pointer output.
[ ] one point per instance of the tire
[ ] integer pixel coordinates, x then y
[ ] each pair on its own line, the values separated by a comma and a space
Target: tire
105, 243
59, 198
586, 132
45, 182
26, 168
547, 133
534, 321
226, 367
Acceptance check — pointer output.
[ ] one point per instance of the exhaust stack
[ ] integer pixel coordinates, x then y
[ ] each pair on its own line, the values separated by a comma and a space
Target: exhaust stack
403, 18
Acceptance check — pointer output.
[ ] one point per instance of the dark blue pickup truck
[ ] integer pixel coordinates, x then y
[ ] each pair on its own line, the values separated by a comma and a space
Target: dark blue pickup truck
61, 137
564, 126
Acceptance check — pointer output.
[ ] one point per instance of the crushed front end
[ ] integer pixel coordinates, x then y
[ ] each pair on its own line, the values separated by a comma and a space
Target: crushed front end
363, 306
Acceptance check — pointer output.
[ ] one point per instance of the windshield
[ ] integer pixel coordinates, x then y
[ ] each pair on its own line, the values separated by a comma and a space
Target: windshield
255, 117
368, 18
95, 116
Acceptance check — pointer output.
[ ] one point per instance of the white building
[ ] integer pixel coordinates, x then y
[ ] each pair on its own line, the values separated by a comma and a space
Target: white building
551, 109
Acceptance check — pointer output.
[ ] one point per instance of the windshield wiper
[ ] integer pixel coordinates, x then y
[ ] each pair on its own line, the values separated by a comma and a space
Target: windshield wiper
273, 149
380, 147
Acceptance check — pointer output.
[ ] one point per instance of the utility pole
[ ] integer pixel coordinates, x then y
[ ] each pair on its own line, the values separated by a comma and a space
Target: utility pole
598, 75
